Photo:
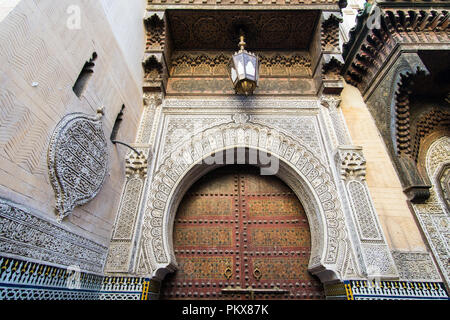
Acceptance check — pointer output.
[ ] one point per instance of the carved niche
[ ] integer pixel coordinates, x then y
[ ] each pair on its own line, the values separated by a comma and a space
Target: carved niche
77, 161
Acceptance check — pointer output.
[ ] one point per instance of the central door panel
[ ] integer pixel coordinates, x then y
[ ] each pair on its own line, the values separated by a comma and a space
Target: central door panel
240, 235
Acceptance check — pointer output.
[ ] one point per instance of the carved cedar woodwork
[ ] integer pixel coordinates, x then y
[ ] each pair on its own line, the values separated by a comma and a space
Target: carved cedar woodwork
398, 26
206, 72
332, 61
428, 123
214, 30
241, 235
256, 3
157, 51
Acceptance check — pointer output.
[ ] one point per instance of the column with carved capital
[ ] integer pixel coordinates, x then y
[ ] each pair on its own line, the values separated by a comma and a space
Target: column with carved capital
122, 247
372, 248
335, 122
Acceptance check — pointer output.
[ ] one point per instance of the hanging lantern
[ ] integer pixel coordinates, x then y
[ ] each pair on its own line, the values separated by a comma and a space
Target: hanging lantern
244, 70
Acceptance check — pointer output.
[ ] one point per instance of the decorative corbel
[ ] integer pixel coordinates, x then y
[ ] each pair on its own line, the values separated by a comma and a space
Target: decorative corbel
152, 99
331, 101
154, 71
155, 27
330, 31
332, 61
351, 163
136, 165
157, 51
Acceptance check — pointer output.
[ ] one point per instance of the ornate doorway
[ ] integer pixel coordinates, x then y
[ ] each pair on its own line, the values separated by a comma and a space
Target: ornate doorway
240, 235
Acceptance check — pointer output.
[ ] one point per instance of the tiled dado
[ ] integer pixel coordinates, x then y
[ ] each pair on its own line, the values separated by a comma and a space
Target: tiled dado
23, 280
386, 290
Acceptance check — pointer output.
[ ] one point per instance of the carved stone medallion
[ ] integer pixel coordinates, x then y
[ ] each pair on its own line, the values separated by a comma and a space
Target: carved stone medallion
77, 161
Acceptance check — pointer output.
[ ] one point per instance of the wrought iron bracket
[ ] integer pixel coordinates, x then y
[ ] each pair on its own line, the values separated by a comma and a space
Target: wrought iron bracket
127, 145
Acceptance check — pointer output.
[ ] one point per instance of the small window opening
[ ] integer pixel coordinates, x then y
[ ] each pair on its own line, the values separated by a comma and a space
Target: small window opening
85, 74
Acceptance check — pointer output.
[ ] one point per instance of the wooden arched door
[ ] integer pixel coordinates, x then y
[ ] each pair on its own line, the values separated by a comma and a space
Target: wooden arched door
240, 235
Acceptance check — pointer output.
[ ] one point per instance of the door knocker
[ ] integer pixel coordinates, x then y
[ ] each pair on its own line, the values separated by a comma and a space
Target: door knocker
228, 273
257, 273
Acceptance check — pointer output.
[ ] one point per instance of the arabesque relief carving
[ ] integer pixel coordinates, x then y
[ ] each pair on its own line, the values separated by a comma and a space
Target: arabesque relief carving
77, 161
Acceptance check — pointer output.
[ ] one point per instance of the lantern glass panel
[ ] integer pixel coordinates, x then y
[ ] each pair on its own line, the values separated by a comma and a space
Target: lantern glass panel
239, 64
250, 70
234, 75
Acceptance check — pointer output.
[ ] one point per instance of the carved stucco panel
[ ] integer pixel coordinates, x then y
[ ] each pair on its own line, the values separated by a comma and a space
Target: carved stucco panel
416, 266
154, 243
24, 234
177, 127
378, 260
371, 246
305, 128
77, 161
433, 215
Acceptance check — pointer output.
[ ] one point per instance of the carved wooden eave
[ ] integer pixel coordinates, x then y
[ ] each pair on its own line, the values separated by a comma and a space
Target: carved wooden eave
246, 4
404, 23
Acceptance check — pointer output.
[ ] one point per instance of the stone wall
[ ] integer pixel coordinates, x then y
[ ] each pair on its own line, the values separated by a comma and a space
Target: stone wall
389, 200
43, 48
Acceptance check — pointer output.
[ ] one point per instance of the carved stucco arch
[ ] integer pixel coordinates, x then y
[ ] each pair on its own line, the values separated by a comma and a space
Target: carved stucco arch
437, 162
300, 169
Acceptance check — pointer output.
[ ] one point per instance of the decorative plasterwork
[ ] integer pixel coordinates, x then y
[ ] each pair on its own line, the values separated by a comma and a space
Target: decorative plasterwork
136, 165
122, 241
249, 103
442, 183
121, 245
437, 154
330, 245
352, 165
415, 266
427, 123
335, 119
23, 234
379, 262
433, 214
375, 252
77, 161
150, 116
304, 128
330, 101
